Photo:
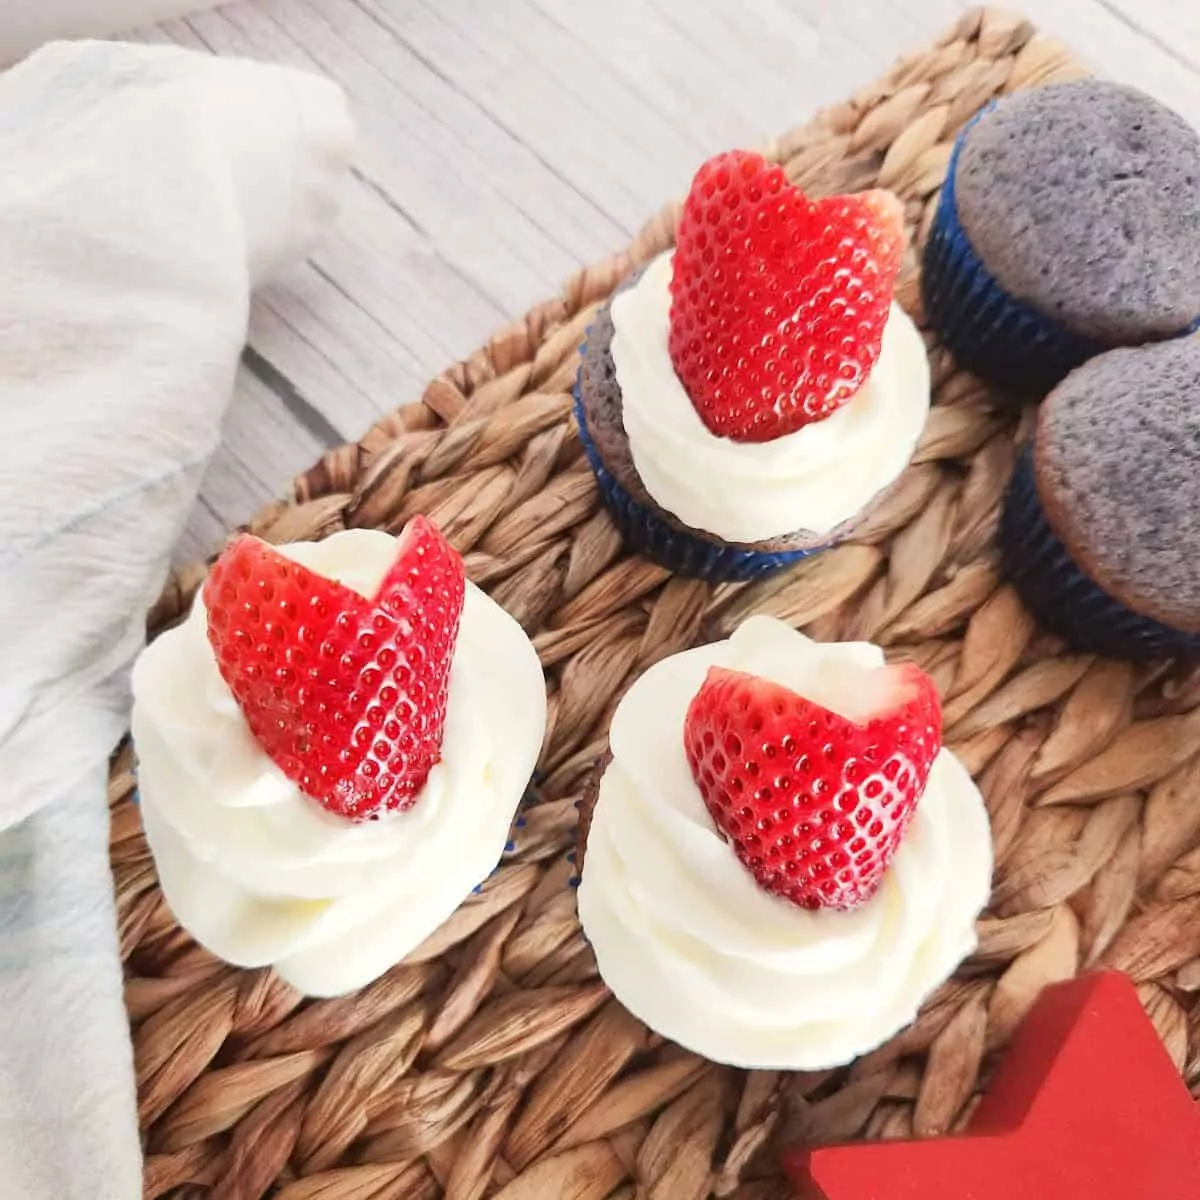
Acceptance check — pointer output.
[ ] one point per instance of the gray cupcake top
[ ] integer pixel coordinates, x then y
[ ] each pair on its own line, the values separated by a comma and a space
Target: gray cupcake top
1117, 462
1083, 199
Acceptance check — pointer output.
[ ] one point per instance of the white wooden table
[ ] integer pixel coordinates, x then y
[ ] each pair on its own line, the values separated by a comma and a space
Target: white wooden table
506, 142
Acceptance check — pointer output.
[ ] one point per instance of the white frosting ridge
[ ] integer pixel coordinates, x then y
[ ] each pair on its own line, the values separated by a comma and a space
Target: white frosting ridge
813, 479
690, 944
262, 875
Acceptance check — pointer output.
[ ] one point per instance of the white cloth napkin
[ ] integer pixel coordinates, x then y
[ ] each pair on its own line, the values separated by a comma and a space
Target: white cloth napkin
29, 23
143, 192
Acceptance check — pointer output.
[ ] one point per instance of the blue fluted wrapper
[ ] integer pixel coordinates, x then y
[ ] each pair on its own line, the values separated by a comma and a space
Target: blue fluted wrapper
1062, 597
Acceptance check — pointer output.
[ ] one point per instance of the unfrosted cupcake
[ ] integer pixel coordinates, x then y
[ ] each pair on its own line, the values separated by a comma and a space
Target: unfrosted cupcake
1099, 532
331, 749
745, 398
1069, 224
779, 859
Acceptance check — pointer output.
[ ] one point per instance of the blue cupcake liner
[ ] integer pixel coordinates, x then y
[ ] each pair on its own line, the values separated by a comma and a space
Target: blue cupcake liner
651, 536
990, 332
1062, 597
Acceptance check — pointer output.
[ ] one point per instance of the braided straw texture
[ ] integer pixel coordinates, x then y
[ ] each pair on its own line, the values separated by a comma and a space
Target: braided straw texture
493, 1062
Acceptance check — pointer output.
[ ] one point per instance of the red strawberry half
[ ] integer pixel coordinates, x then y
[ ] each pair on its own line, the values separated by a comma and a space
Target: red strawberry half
778, 302
814, 803
346, 695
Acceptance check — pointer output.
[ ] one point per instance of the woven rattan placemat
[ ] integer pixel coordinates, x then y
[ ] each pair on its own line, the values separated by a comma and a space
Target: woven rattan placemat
493, 1063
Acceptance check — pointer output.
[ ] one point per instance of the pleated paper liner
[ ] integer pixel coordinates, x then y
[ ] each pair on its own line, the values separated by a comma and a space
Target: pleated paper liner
494, 1063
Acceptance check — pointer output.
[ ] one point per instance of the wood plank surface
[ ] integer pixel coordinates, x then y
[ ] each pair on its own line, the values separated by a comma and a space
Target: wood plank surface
504, 143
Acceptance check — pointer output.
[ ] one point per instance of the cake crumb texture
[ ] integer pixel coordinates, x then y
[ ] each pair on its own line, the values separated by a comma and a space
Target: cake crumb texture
1083, 199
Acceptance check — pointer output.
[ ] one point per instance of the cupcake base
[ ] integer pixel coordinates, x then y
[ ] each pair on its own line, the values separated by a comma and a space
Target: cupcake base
651, 535
989, 332
646, 528
995, 335
1062, 598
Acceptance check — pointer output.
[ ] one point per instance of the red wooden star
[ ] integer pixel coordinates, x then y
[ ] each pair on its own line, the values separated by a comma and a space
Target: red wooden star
1087, 1105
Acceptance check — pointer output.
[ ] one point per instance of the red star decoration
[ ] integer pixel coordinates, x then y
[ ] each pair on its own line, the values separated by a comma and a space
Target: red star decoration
1087, 1105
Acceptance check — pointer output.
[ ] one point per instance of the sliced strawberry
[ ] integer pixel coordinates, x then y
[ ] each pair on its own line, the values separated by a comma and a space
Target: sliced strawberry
346, 695
814, 803
778, 302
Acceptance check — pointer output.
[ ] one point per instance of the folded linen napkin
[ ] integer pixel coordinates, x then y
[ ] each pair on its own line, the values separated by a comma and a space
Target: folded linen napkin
143, 193
29, 23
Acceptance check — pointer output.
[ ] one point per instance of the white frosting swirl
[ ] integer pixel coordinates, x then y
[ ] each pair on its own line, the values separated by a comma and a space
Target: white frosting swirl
690, 944
260, 874
813, 479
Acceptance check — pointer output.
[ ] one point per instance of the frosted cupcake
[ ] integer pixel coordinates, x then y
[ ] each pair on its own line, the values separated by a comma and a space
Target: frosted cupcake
780, 860
331, 749
1069, 224
749, 395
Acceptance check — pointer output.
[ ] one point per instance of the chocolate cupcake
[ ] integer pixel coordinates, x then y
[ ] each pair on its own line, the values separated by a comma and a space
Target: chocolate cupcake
657, 533
745, 398
1069, 224
1099, 528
